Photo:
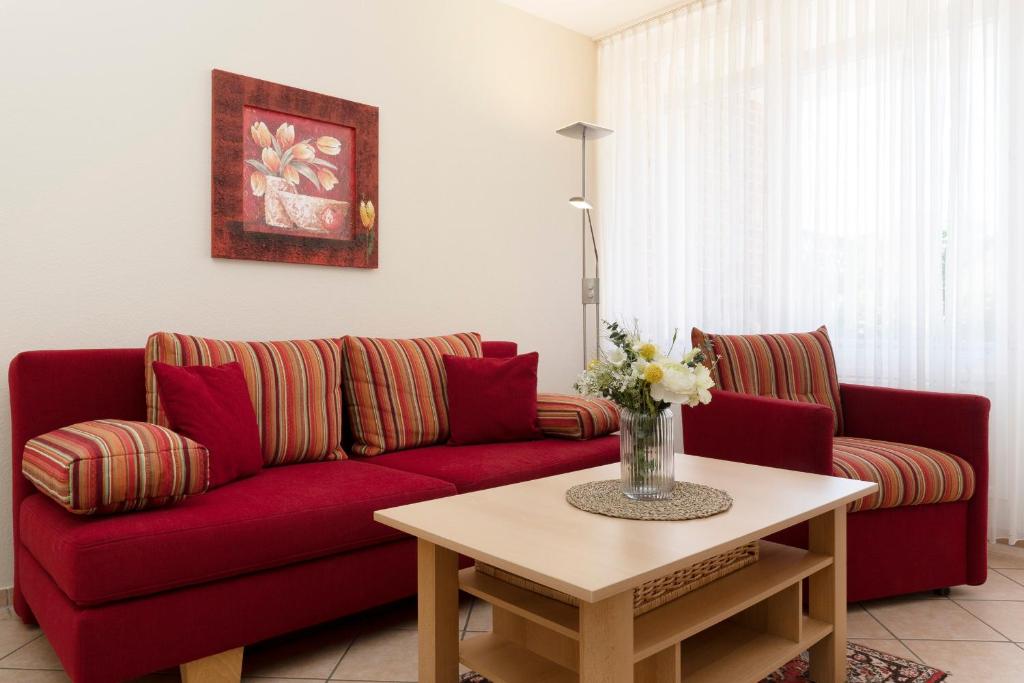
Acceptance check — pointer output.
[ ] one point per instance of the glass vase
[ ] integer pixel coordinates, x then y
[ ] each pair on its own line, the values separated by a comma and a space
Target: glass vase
647, 454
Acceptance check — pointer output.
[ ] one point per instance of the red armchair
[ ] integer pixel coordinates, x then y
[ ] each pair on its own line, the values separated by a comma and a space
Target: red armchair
890, 550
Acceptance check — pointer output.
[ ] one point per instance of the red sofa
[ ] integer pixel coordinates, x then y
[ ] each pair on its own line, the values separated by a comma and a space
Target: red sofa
892, 550
123, 595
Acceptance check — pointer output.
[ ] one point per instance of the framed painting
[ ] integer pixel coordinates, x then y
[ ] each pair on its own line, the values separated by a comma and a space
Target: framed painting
294, 175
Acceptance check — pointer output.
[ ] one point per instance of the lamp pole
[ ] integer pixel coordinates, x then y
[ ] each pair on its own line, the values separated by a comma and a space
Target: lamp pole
590, 286
583, 238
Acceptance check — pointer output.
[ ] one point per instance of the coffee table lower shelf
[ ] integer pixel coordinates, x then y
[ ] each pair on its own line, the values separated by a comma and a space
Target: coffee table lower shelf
737, 629
505, 661
727, 652
731, 652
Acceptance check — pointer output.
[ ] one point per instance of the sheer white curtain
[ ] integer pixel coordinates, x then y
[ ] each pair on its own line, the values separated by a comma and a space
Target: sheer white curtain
777, 165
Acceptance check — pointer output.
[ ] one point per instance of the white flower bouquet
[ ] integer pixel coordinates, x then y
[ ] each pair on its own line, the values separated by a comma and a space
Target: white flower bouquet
638, 377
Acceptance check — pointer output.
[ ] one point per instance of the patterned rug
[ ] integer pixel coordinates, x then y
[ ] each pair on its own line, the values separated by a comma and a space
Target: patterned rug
866, 666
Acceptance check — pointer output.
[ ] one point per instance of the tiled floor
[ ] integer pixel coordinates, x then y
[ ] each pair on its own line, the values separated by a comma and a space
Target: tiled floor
977, 634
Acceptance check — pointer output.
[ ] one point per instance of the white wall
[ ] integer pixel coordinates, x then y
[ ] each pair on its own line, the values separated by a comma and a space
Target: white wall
105, 175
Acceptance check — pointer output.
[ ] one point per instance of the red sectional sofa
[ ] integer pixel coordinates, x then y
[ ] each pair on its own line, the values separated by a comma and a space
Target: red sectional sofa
124, 595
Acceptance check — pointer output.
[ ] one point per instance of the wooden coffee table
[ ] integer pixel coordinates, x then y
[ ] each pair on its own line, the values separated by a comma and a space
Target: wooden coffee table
734, 630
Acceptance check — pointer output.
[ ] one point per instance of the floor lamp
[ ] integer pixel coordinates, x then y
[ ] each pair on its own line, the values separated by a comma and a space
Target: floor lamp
591, 286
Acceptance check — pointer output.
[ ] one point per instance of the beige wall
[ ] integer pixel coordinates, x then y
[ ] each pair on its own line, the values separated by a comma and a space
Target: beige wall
104, 180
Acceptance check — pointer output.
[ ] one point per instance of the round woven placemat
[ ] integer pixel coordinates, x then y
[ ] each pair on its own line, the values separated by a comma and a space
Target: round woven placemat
688, 501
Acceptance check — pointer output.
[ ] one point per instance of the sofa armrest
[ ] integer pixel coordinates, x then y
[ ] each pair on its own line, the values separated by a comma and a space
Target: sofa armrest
955, 423
499, 349
761, 431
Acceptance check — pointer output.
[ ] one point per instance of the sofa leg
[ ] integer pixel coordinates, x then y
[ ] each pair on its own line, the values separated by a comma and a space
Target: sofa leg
223, 667
942, 592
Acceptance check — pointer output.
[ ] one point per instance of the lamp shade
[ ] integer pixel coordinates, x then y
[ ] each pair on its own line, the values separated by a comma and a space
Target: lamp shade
580, 203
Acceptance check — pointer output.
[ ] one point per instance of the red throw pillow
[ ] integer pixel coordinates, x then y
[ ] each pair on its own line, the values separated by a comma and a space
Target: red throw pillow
211, 405
492, 399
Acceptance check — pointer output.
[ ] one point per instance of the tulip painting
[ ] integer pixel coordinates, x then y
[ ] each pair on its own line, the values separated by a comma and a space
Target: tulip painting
281, 156
293, 174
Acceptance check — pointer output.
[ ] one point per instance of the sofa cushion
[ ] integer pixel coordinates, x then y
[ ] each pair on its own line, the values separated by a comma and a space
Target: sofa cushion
280, 516
395, 390
796, 367
211, 405
905, 474
295, 387
483, 466
492, 399
576, 417
106, 466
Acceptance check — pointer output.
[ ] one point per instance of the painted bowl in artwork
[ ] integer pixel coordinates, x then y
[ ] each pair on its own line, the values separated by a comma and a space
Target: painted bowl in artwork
314, 213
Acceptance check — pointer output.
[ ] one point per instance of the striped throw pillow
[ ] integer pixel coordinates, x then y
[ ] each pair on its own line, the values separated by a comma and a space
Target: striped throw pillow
576, 417
905, 474
295, 387
795, 367
106, 466
395, 390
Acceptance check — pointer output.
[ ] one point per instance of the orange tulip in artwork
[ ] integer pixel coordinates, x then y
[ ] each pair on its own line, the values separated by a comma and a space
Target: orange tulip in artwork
260, 134
368, 215
285, 135
303, 152
258, 181
327, 179
271, 160
329, 145
290, 174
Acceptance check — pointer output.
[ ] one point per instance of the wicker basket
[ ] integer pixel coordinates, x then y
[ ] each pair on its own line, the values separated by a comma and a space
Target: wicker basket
656, 592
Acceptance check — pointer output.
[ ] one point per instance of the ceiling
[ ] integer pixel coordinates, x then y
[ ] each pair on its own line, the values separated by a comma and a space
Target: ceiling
594, 18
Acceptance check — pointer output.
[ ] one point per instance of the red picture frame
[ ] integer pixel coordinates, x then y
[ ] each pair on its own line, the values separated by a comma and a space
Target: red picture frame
294, 175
